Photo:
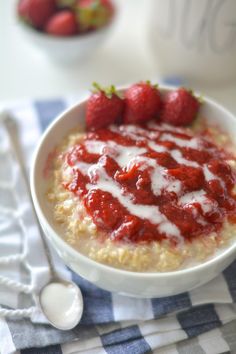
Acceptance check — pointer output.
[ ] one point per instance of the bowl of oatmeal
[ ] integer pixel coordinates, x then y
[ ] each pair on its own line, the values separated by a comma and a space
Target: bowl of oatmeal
146, 210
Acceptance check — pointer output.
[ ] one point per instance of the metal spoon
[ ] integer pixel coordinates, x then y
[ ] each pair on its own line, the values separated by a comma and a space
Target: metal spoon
60, 300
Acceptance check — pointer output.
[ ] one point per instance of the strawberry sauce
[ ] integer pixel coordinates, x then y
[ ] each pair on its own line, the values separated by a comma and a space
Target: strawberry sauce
150, 182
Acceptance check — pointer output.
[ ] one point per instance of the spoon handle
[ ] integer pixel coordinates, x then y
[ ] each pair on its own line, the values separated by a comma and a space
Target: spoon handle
11, 127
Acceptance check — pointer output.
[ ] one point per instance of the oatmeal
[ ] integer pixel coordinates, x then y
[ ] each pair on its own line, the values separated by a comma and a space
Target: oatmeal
148, 197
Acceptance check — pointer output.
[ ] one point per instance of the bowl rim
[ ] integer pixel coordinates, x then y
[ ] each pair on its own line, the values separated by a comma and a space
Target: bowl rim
225, 253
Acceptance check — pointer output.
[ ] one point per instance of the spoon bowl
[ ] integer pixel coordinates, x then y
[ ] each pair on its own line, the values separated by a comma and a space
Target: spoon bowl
63, 312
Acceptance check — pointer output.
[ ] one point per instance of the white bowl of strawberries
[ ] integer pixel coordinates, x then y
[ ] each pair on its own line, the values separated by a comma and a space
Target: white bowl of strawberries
66, 30
176, 160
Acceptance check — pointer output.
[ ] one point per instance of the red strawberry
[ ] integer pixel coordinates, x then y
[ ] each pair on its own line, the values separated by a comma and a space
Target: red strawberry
93, 14
36, 12
62, 23
104, 107
143, 102
180, 107
22, 8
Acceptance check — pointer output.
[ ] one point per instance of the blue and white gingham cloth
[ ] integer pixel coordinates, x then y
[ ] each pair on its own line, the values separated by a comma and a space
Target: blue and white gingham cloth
202, 321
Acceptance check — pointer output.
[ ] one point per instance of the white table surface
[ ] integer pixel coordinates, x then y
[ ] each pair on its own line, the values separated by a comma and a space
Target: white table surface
125, 57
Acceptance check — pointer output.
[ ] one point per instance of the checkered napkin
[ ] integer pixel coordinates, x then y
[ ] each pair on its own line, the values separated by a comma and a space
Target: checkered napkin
202, 321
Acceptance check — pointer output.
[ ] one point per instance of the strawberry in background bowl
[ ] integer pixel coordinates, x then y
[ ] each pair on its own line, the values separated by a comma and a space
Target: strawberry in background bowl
66, 30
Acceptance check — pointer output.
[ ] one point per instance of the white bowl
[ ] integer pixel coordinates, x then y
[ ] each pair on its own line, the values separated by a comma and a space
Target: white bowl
66, 50
112, 279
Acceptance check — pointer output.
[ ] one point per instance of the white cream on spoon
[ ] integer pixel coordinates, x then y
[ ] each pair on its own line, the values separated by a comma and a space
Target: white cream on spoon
62, 303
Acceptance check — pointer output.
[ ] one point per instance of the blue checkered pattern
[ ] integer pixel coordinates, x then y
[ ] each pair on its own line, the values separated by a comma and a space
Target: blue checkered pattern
98, 319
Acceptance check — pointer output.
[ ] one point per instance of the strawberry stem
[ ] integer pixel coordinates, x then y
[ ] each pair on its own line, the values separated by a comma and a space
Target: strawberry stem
96, 86
108, 91
148, 82
199, 98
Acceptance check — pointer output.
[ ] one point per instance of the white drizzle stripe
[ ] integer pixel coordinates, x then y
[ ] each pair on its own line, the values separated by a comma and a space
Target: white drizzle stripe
128, 153
192, 143
122, 154
134, 132
157, 147
169, 228
199, 197
178, 156
163, 126
159, 180
94, 146
208, 174
83, 166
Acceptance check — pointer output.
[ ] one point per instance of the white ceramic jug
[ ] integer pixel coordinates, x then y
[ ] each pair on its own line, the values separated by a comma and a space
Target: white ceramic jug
194, 39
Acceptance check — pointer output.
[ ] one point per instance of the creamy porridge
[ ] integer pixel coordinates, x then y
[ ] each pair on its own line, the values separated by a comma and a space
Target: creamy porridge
146, 198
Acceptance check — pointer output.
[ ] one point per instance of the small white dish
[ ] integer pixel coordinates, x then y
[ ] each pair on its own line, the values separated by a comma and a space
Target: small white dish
125, 282
66, 50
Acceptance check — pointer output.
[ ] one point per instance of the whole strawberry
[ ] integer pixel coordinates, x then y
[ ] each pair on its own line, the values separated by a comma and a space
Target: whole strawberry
62, 23
36, 12
92, 14
180, 107
142, 103
104, 107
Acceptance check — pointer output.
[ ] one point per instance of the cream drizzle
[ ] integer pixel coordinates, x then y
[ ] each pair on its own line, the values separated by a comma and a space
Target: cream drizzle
199, 197
178, 156
122, 154
192, 143
164, 126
